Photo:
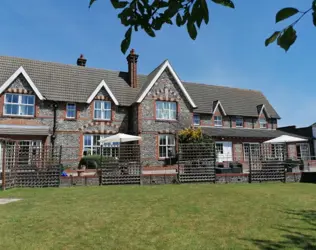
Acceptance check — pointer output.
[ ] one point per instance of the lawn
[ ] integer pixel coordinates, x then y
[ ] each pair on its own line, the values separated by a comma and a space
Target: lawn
203, 216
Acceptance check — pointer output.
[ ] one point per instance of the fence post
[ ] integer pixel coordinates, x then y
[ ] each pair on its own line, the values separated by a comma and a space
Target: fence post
60, 152
249, 162
284, 163
214, 160
3, 167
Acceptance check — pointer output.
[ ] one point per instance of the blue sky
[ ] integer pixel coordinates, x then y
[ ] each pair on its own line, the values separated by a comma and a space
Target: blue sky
229, 51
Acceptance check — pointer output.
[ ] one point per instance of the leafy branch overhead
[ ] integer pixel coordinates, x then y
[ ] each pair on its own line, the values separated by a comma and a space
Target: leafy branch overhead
152, 15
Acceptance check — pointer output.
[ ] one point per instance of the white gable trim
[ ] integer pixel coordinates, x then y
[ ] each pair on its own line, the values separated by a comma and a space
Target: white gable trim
151, 84
28, 79
97, 90
216, 107
264, 108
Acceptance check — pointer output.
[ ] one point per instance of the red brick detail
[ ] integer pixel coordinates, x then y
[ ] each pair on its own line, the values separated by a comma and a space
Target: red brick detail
154, 109
37, 108
157, 147
80, 145
1, 104
19, 121
140, 116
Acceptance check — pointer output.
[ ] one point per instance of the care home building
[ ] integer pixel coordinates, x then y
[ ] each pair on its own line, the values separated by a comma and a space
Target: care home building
45, 103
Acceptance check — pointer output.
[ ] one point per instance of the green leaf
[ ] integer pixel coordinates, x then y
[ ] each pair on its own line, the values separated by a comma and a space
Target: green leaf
287, 38
126, 41
205, 10
314, 5
118, 4
149, 31
91, 2
272, 38
178, 20
314, 18
192, 30
285, 13
226, 3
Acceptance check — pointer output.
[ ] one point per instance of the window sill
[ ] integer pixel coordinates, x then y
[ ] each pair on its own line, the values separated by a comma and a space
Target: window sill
101, 120
165, 120
19, 116
70, 119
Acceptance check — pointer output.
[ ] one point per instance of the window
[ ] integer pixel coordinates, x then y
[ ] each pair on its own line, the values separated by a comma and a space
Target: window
252, 149
92, 146
218, 121
239, 122
167, 146
219, 148
71, 110
278, 151
263, 123
17, 104
166, 110
102, 110
196, 119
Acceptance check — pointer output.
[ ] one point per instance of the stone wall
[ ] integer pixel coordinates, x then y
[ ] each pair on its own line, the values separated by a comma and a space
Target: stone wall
166, 89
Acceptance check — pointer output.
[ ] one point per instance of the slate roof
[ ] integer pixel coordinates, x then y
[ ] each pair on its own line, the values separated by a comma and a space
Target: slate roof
243, 132
61, 82
72, 83
235, 101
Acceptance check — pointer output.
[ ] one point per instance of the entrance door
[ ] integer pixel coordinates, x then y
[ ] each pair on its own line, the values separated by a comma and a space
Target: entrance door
224, 151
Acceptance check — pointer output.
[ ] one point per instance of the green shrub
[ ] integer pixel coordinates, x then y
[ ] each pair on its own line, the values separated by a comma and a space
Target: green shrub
94, 161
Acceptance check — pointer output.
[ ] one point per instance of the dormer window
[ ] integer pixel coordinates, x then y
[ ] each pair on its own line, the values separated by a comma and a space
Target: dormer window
263, 123
218, 122
19, 105
239, 122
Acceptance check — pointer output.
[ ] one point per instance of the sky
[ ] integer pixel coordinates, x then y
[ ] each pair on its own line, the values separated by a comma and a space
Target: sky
228, 51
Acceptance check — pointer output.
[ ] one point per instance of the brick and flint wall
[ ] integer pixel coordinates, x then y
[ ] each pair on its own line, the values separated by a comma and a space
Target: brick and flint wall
165, 89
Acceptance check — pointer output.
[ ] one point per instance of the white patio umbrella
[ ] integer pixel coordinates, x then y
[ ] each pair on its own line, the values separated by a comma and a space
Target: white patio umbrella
120, 137
286, 139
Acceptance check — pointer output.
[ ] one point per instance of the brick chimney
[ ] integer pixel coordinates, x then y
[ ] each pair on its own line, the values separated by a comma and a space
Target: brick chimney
81, 61
132, 68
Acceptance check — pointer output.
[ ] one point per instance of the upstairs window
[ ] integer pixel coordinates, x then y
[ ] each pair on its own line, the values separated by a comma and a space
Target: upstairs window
218, 122
102, 110
239, 122
196, 120
263, 123
71, 111
166, 110
19, 105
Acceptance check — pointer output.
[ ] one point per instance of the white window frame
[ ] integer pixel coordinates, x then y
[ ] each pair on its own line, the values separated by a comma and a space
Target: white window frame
242, 121
169, 111
102, 110
109, 149
199, 118
19, 104
216, 124
265, 123
221, 144
167, 145
73, 109
250, 143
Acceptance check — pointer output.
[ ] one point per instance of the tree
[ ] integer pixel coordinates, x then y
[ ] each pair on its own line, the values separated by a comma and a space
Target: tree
152, 15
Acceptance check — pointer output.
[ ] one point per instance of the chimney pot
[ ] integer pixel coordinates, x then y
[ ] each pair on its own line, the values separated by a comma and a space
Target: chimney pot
81, 61
132, 68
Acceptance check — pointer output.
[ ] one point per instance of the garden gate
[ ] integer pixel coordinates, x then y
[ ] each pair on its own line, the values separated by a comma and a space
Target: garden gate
27, 165
196, 162
266, 162
125, 168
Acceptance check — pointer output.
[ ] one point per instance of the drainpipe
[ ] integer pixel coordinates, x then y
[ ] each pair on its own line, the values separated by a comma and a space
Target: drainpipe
53, 136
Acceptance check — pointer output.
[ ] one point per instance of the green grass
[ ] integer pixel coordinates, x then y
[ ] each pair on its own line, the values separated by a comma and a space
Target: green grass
241, 216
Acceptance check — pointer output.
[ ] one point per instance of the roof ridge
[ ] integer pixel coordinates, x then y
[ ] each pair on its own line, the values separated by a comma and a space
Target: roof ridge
221, 86
66, 64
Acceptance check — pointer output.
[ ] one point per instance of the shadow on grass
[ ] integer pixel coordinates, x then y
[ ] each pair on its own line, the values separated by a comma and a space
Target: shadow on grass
293, 237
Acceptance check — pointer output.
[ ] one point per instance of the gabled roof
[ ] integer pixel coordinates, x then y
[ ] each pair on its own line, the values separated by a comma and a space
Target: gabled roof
70, 83
18, 72
262, 108
217, 104
97, 90
237, 102
154, 76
